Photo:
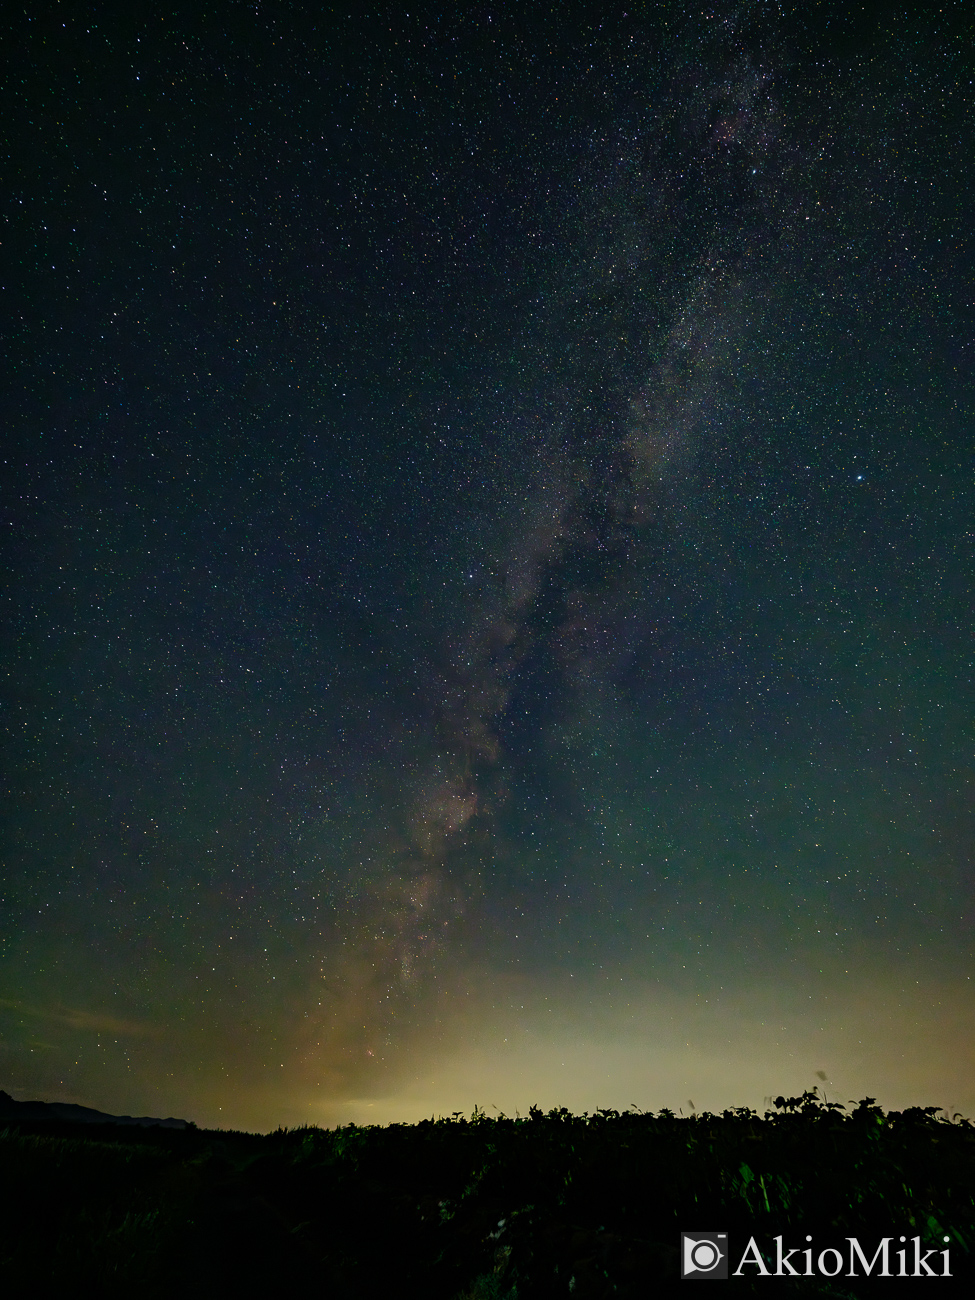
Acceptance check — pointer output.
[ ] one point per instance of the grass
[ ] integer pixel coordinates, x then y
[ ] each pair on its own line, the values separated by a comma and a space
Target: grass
475, 1208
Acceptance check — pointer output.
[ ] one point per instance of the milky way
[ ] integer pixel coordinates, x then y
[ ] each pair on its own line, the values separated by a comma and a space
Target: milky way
629, 369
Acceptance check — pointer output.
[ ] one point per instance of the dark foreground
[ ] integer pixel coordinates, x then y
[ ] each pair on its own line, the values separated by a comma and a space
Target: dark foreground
485, 1209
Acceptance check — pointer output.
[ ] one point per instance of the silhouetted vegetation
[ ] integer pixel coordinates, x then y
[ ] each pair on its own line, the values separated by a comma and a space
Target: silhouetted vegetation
477, 1208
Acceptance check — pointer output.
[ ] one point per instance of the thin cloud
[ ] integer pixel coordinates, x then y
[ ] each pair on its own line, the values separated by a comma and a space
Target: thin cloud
77, 1019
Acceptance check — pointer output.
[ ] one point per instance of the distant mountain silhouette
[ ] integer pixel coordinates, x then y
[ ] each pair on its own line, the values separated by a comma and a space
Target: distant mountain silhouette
66, 1110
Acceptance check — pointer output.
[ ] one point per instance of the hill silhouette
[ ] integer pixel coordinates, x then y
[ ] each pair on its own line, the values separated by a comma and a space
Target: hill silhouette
12, 1111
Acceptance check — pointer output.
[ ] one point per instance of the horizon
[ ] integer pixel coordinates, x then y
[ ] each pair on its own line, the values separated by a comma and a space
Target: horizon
560, 1068
772, 1107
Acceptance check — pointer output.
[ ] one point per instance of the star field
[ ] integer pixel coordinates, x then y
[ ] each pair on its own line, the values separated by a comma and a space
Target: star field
488, 559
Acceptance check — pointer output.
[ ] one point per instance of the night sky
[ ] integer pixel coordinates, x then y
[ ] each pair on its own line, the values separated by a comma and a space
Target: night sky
487, 598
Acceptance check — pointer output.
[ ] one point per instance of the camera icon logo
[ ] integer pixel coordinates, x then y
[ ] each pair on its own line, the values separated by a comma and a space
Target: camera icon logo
704, 1256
